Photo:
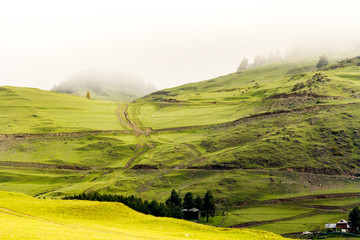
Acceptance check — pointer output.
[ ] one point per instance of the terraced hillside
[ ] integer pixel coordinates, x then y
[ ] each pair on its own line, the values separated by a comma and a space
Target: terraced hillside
272, 132
23, 217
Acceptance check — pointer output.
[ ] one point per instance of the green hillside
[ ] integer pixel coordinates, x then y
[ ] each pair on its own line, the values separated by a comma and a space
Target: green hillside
277, 131
30, 110
265, 117
23, 217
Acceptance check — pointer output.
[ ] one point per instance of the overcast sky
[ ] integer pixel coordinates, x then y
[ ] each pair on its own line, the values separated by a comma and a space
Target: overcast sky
166, 42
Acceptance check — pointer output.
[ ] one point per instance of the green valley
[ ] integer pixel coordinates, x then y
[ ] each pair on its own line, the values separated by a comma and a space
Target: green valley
276, 144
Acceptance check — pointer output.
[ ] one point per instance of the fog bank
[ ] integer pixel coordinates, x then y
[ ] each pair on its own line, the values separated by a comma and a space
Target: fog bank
168, 43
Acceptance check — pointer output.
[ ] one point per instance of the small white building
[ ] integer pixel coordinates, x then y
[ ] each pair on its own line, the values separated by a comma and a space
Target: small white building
342, 225
330, 225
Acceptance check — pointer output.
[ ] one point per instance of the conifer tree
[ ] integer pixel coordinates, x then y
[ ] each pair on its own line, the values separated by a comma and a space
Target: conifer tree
243, 65
174, 205
174, 199
198, 202
188, 201
354, 219
88, 95
208, 208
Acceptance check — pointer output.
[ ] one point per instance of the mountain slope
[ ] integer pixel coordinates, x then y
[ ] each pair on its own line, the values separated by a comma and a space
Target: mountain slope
269, 118
262, 89
276, 131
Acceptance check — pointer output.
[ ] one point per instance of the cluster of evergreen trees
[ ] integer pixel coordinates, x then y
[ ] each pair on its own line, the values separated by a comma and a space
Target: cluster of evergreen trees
272, 57
260, 60
175, 206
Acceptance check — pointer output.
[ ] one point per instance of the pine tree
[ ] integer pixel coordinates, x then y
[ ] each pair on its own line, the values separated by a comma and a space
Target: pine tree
162, 210
188, 206
174, 199
198, 202
257, 61
188, 201
243, 65
354, 219
88, 95
208, 208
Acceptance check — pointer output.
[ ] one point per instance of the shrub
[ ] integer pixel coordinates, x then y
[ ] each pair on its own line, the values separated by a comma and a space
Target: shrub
323, 61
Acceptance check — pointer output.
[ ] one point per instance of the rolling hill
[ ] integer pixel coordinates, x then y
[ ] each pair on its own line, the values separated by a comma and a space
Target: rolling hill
267, 117
29, 110
23, 217
273, 132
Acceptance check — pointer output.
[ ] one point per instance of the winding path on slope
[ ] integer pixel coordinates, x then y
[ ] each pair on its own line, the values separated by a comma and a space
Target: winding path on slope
123, 117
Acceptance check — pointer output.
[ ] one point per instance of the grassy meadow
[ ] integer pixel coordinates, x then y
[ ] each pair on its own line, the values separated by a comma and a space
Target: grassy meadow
29, 110
277, 131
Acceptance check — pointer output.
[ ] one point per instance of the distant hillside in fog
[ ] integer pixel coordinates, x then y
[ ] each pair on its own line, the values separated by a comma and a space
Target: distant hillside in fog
106, 85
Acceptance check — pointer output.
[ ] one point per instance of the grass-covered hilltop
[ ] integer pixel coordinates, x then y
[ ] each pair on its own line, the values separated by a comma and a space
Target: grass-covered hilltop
278, 146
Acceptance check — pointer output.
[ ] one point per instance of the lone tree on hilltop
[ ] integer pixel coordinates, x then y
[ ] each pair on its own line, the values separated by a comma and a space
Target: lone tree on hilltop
354, 219
243, 65
323, 61
208, 209
88, 95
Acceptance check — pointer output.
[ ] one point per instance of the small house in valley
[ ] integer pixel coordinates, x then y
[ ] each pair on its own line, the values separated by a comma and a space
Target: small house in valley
341, 225
193, 213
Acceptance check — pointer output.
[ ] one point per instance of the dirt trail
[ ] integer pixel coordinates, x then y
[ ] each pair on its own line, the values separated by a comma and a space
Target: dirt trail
118, 112
128, 124
69, 184
134, 157
122, 115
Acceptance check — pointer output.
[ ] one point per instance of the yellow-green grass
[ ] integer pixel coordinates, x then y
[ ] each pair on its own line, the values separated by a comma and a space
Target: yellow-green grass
264, 213
321, 139
337, 202
238, 95
30, 110
23, 217
312, 223
90, 150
